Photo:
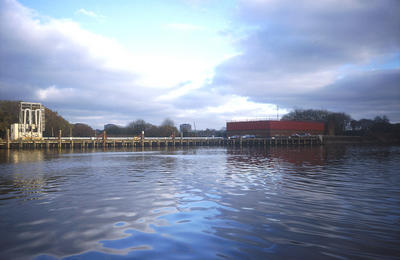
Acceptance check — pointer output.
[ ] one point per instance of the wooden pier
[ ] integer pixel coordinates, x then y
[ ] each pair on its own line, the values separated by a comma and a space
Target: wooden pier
113, 142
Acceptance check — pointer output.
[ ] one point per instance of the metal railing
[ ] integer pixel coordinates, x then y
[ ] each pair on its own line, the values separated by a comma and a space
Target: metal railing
133, 138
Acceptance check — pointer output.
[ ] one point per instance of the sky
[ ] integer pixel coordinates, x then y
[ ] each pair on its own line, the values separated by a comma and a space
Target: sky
202, 62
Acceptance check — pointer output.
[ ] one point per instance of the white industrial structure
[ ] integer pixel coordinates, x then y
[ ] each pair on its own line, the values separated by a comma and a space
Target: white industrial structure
31, 122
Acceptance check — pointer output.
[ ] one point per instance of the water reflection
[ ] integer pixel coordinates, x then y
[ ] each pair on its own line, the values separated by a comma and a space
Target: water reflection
279, 202
298, 155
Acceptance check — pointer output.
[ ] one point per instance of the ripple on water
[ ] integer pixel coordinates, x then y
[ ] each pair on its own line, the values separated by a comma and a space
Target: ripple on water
279, 202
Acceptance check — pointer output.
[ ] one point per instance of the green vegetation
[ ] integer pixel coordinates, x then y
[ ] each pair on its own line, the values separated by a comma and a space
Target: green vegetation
166, 129
378, 128
335, 123
54, 122
82, 130
135, 128
8, 115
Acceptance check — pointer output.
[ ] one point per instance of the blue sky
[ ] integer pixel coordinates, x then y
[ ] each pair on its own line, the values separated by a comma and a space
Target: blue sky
183, 28
202, 61
177, 31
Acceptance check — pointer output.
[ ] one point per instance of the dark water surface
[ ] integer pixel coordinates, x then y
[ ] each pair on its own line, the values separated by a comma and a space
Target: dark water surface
206, 203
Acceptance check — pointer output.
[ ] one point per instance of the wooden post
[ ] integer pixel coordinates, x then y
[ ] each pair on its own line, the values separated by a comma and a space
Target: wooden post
142, 138
8, 138
59, 139
104, 139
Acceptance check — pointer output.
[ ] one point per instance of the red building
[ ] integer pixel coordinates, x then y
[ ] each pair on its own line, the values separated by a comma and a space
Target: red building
267, 128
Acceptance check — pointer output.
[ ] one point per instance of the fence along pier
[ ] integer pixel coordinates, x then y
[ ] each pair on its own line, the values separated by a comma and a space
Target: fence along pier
113, 142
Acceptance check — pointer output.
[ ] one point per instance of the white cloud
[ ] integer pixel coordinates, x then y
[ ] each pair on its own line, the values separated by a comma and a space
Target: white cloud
54, 94
239, 107
92, 14
86, 76
227, 108
66, 67
294, 52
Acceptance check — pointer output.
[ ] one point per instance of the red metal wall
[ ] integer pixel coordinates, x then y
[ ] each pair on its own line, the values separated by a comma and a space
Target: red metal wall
296, 125
247, 125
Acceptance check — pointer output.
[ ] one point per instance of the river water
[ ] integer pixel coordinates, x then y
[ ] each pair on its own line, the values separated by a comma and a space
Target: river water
332, 202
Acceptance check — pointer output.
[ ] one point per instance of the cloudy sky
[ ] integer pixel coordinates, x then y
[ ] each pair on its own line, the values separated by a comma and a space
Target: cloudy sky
201, 61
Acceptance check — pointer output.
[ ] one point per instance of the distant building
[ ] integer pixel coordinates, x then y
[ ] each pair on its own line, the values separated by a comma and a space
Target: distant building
268, 128
185, 128
31, 122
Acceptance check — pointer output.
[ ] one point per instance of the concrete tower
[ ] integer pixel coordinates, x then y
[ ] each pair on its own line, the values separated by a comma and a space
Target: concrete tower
31, 122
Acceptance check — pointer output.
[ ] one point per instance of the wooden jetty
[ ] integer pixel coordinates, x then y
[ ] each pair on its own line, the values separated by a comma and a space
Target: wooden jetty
113, 142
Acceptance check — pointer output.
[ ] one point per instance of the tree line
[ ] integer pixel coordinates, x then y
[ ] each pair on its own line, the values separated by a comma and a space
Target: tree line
335, 123
135, 128
343, 124
53, 122
167, 128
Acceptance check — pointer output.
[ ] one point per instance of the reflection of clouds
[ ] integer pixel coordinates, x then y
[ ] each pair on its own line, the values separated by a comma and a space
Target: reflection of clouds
249, 168
298, 155
205, 202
